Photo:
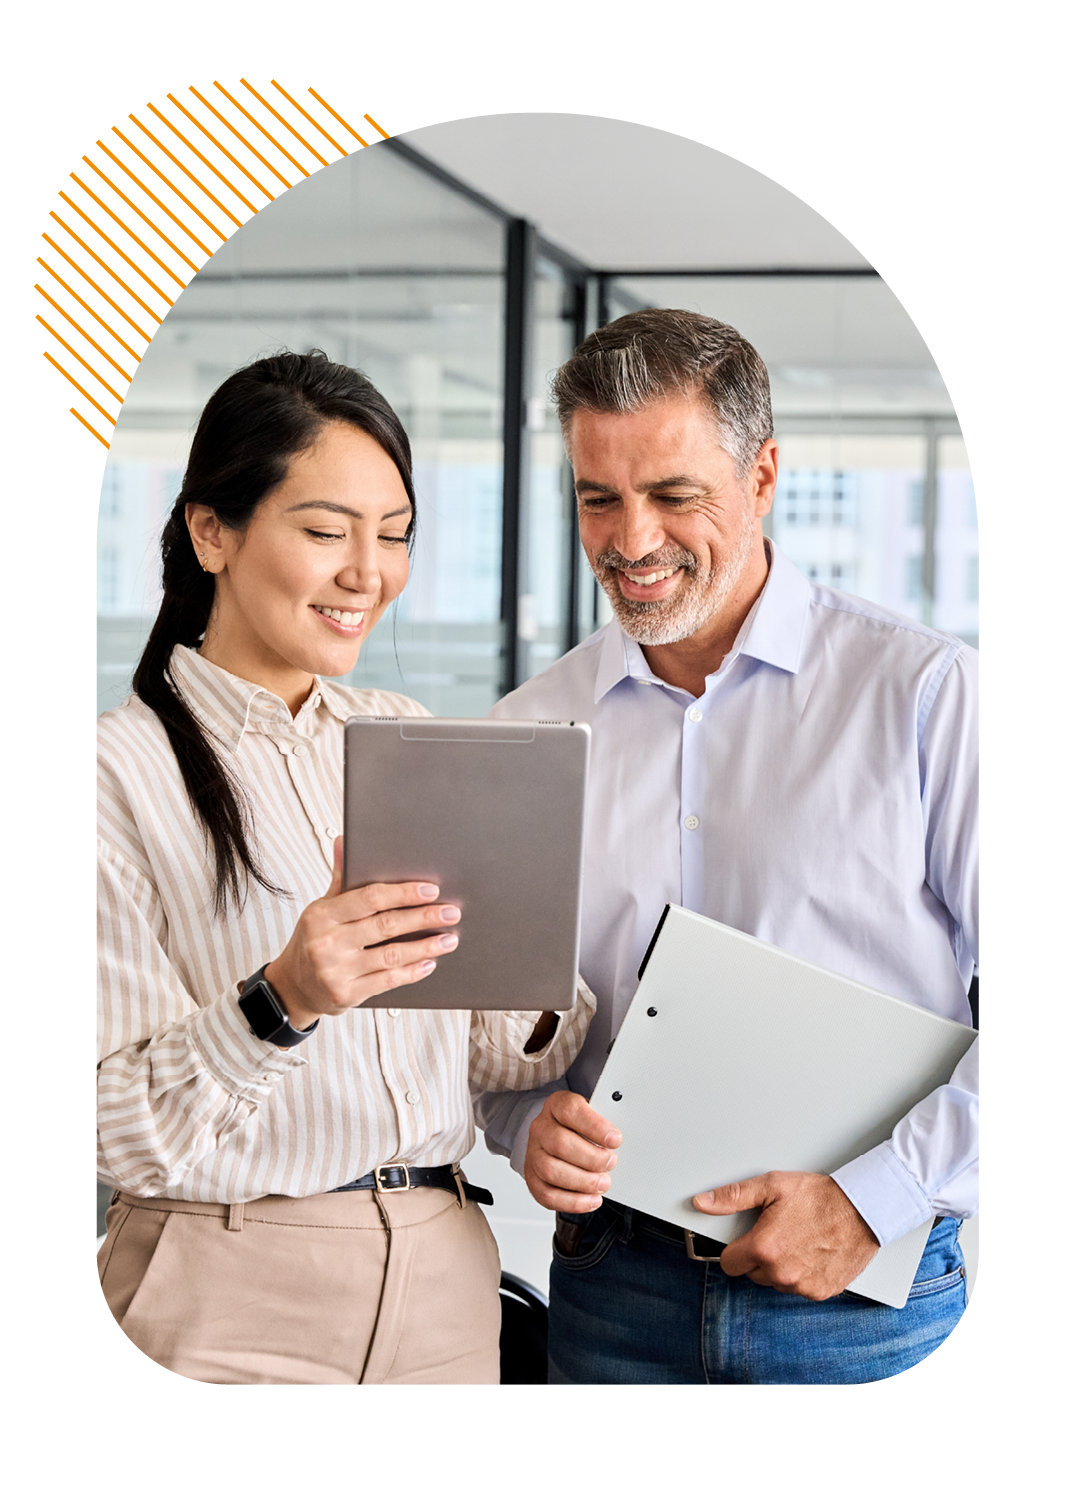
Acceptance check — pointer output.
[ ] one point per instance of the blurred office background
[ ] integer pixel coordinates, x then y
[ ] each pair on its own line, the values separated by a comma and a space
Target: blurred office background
457, 267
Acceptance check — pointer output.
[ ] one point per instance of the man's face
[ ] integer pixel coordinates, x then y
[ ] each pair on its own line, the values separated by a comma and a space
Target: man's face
670, 530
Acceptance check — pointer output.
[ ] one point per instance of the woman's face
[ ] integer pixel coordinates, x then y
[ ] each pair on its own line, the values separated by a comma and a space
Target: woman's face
300, 588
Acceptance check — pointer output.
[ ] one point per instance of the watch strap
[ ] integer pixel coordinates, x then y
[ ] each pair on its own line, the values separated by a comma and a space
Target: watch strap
266, 1015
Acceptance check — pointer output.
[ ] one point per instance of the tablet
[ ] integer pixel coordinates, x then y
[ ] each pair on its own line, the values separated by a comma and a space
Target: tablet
491, 812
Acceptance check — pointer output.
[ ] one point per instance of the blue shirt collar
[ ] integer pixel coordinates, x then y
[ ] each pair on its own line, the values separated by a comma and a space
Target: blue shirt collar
774, 634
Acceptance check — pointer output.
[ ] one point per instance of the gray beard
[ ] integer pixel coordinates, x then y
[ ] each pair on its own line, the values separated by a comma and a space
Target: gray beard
702, 598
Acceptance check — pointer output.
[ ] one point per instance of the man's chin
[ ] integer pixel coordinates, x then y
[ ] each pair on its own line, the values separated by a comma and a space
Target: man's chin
653, 625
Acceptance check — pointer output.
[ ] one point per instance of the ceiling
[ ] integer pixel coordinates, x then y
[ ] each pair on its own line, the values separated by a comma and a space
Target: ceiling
754, 191
769, 190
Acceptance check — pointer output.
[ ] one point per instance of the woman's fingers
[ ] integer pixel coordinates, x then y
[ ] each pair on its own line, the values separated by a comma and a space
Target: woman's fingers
393, 929
348, 946
379, 899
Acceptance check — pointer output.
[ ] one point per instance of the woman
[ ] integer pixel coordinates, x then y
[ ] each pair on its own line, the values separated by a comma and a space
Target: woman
288, 1204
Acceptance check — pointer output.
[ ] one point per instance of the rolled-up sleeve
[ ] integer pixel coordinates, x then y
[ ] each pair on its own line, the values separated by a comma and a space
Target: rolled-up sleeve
498, 1061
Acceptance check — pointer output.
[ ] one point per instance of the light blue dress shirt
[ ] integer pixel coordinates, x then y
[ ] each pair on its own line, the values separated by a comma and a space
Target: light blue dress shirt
821, 795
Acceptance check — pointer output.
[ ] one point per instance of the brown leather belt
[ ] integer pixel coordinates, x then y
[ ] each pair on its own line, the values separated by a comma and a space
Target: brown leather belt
697, 1246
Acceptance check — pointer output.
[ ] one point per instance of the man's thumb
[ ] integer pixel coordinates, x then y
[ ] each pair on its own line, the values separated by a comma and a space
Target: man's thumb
734, 1197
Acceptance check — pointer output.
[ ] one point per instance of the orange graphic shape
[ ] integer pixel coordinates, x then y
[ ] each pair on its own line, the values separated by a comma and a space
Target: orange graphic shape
141, 202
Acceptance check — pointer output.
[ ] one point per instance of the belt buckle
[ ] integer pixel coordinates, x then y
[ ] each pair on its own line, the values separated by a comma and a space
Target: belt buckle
381, 1185
691, 1251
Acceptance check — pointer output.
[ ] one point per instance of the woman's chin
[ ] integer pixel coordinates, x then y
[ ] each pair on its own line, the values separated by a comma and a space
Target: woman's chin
338, 660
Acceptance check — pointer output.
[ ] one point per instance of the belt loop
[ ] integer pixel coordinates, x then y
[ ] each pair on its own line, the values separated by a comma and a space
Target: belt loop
459, 1185
235, 1217
626, 1233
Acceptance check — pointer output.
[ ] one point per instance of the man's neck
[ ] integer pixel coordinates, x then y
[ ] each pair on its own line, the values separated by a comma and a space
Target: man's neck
687, 664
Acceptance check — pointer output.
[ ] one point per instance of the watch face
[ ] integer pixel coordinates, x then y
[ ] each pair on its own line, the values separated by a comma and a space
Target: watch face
263, 1013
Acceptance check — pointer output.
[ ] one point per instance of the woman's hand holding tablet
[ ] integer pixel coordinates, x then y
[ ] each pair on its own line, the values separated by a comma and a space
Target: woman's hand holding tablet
336, 957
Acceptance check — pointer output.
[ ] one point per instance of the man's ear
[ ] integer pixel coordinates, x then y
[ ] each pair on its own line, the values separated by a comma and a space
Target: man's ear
764, 476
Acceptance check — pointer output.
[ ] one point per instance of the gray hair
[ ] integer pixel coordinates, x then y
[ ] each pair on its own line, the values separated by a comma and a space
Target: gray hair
649, 355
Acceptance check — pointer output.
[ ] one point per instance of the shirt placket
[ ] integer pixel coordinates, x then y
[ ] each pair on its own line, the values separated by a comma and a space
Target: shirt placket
299, 754
403, 1084
692, 826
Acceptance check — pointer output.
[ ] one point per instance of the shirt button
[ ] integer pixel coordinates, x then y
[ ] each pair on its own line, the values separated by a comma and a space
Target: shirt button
331, 833
696, 715
412, 1097
300, 750
394, 1011
692, 822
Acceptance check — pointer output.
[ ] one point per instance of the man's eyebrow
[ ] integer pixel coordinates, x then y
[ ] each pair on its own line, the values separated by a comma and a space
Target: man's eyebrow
680, 479
351, 512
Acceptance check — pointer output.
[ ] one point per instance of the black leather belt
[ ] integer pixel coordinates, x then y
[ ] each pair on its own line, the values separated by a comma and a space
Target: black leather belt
401, 1178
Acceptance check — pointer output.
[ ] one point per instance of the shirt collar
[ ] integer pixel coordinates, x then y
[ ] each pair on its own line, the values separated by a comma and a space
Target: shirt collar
230, 706
773, 632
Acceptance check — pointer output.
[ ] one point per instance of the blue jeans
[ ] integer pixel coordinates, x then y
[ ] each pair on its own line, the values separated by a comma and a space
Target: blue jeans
631, 1308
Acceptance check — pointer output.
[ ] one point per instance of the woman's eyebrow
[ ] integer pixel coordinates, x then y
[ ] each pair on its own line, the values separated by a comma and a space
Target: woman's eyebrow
351, 512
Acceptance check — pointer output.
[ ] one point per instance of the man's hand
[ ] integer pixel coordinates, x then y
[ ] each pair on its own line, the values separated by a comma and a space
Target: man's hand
570, 1153
808, 1241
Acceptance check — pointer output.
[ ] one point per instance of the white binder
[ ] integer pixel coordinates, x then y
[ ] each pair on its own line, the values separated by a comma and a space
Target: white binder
736, 1059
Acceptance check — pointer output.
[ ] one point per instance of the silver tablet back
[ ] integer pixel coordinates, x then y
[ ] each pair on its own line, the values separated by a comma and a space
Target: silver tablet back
491, 812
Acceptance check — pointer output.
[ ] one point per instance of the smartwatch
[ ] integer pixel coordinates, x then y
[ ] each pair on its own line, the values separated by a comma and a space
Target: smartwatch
265, 1014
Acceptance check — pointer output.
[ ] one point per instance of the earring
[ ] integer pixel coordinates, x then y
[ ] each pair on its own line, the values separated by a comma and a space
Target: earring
202, 565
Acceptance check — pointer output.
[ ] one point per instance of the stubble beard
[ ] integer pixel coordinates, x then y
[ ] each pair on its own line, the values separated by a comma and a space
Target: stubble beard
702, 598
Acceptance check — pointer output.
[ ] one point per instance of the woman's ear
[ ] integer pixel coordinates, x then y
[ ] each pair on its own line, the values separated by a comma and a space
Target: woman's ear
205, 531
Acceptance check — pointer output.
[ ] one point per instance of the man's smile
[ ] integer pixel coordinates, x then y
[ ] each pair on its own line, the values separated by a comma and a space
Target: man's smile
647, 586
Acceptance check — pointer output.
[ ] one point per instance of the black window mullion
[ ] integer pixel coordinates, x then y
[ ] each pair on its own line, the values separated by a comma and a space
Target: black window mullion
518, 351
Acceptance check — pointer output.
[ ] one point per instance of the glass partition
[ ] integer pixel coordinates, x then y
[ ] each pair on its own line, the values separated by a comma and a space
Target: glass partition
865, 426
388, 269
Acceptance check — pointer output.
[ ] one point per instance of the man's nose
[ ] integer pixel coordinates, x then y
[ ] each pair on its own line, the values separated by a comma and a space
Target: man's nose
640, 531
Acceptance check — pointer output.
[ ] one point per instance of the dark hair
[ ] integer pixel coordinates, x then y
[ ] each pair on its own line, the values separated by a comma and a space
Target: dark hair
251, 427
649, 354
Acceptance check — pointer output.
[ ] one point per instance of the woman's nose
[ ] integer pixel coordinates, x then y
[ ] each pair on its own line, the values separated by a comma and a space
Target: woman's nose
360, 574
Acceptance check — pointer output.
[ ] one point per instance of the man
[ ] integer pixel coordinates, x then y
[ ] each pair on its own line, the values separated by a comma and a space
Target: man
791, 761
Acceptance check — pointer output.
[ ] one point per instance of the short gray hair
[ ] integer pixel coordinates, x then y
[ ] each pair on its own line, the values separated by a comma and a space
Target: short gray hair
649, 355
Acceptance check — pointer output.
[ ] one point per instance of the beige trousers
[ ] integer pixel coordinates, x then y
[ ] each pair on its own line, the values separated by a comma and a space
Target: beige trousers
341, 1288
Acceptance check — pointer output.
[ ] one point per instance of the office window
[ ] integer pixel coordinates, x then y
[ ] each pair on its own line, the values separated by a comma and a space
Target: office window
913, 577
388, 269
861, 413
972, 578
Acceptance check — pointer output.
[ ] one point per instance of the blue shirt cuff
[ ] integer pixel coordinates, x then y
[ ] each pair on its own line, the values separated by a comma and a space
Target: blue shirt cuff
884, 1193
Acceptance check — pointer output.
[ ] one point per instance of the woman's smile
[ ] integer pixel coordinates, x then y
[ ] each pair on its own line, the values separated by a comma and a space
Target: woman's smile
324, 554
346, 624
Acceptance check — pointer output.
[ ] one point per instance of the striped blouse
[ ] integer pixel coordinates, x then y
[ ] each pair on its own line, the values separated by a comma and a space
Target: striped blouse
193, 1105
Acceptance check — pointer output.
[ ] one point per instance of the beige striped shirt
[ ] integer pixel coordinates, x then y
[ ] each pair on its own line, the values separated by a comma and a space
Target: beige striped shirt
192, 1104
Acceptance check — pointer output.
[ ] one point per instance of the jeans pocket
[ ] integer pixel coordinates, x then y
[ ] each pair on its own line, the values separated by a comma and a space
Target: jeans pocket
940, 1283
594, 1243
